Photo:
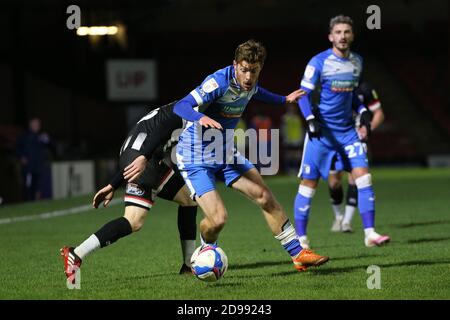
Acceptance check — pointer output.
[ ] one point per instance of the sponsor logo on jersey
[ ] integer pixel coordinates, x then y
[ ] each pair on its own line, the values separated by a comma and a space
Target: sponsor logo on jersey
134, 189
210, 85
232, 111
309, 72
343, 85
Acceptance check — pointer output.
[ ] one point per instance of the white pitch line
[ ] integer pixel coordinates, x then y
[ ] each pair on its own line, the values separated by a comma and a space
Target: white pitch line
53, 214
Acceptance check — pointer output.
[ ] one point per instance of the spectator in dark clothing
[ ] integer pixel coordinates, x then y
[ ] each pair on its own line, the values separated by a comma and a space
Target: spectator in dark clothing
32, 150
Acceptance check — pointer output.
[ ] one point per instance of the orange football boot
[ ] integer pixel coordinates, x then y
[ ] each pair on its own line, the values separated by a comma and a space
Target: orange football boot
307, 258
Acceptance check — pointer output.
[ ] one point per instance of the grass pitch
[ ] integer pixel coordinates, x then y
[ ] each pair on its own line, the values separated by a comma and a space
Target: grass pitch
413, 207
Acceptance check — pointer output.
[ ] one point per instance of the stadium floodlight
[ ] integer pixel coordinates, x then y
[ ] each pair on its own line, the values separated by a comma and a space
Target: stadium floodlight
97, 31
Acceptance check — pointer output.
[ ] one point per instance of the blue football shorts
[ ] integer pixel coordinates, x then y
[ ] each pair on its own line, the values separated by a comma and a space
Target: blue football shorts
201, 177
334, 150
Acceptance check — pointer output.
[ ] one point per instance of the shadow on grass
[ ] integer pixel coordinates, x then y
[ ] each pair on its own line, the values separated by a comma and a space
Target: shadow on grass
229, 284
419, 224
356, 256
423, 240
260, 264
348, 269
147, 276
263, 264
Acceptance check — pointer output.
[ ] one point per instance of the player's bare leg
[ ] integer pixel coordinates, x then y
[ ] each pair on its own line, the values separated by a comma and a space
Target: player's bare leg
136, 217
215, 216
366, 205
253, 186
132, 221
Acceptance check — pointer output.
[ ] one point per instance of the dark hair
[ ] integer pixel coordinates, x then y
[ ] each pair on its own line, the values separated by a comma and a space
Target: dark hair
251, 51
340, 19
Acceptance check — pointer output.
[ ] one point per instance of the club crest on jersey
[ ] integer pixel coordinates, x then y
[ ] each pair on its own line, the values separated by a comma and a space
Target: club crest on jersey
134, 189
210, 85
309, 72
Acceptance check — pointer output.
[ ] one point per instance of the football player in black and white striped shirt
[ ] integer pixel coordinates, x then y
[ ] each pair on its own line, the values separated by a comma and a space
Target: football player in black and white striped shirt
146, 166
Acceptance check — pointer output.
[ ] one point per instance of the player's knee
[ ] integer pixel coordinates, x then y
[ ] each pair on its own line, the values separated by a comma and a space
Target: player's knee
309, 183
334, 184
136, 221
186, 202
218, 223
334, 180
364, 181
137, 224
184, 199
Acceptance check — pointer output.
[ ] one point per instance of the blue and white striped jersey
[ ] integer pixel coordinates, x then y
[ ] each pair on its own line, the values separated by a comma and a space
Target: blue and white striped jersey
338, 78
222, 99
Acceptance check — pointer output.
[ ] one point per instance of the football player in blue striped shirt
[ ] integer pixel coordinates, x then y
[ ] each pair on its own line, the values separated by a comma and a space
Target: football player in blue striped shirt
332, 143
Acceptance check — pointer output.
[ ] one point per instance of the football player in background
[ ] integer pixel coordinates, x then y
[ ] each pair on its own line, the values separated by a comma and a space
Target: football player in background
343, 220
332, 143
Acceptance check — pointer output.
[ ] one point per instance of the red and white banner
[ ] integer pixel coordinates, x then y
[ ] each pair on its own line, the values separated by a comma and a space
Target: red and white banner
131, 80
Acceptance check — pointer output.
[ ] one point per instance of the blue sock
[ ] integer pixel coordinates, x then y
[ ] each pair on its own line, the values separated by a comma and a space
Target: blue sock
302, 205
289, 240
366, 201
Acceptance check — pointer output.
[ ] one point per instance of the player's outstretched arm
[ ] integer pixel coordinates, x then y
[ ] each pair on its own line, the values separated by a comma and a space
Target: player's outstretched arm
104, 195
266, 96
294, 96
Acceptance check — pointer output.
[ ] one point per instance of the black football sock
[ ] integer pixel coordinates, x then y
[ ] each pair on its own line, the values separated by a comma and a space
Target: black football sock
113, 231
336, 195
352, 195
187, 227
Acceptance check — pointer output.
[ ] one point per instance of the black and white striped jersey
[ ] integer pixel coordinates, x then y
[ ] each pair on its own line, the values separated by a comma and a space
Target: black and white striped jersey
368, 96
153, 130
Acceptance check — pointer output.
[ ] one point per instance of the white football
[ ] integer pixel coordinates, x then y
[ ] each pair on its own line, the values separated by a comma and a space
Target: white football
209, 263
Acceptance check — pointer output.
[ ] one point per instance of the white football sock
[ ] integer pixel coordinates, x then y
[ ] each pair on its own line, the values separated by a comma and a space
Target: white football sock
368, 231
337, 210
349, 211
90, 244
188, 248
